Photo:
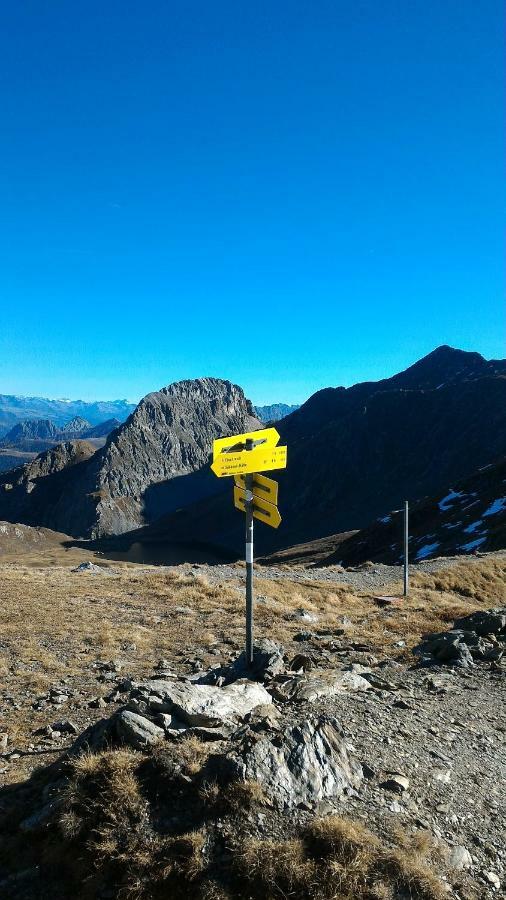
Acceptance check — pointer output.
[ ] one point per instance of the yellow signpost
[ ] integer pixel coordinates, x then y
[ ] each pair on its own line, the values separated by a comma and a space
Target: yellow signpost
259, 459
266, 437
244, 456
262, 510
265, 488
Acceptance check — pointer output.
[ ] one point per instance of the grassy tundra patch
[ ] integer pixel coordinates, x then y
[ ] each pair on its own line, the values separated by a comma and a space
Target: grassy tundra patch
139, 826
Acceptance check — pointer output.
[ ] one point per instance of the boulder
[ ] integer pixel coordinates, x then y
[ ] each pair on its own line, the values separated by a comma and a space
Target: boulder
307, 763
478, 636
300, 688
450, 647
460, 858
204, 705
492, 621
88, 566
137, 731
95, 738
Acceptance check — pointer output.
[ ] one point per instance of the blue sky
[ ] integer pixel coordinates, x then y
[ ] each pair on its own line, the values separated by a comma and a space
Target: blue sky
287, 194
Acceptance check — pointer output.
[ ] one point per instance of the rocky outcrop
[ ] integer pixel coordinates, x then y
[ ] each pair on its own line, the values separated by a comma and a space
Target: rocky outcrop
308, 763
145, 469
200, 704
170, 435
295, 764
33, 493
480, 636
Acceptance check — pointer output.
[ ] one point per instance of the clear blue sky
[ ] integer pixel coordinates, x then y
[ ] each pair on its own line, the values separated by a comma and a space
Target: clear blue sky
287, 194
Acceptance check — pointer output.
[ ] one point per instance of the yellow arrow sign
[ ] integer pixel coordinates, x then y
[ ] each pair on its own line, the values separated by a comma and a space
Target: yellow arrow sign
264, 488
266, 437
259, 460
263, 511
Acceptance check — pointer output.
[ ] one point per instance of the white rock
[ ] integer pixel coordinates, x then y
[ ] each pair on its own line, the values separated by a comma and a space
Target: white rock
351, 681
493, 879
202, 704
460, 858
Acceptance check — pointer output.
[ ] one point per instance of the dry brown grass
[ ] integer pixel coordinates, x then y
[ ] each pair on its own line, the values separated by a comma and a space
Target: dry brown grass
137, 826
338, 859
56, 624
483, 581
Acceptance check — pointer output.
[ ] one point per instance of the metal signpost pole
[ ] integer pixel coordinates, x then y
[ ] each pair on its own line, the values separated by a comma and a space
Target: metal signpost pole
249, 563
406, 541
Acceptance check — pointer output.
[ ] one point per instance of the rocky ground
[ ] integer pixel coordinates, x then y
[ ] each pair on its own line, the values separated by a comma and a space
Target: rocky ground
388, 728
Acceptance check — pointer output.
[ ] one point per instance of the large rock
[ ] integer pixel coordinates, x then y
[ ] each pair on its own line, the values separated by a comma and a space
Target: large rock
137, 730
308, 763
478, 636
301, 689
491, 621
201, 704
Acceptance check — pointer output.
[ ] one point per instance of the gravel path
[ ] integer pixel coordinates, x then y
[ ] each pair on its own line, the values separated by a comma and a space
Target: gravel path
365, 578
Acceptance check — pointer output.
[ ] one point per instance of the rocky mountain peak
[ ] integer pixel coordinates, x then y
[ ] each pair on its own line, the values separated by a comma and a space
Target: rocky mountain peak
76, 425
129, 482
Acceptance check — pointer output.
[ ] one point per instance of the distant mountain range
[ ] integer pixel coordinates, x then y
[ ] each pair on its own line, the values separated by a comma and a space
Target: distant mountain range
353, 455
16, 409
37, 435
275, 412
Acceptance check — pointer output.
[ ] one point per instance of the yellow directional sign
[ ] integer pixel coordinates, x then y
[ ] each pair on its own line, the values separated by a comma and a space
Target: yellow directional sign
266, 437
265, 512
265, 488
261, 459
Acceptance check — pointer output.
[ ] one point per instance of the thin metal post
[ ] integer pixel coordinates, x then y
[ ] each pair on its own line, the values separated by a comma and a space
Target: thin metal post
406, 548
249, 563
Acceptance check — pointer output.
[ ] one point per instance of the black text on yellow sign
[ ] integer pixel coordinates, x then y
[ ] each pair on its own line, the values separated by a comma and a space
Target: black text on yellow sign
262, 510
261, 459
265, 488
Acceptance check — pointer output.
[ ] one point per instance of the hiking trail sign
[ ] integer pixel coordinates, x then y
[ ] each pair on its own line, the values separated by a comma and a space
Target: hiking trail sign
264, 488
244, 456
262, 510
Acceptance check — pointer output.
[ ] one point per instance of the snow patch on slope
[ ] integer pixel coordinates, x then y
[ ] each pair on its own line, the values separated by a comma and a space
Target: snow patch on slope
446, 502
496, 507
472, 545
426, 550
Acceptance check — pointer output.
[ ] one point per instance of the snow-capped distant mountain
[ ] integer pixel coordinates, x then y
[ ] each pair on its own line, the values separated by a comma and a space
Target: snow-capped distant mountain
15, 409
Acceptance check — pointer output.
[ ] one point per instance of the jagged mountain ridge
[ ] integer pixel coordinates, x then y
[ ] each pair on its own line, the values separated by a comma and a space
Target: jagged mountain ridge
124, 485
275, 411
355, 453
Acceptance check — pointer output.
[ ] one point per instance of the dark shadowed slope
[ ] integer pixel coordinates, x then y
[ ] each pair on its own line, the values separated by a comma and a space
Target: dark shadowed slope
355, 453
469, 515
